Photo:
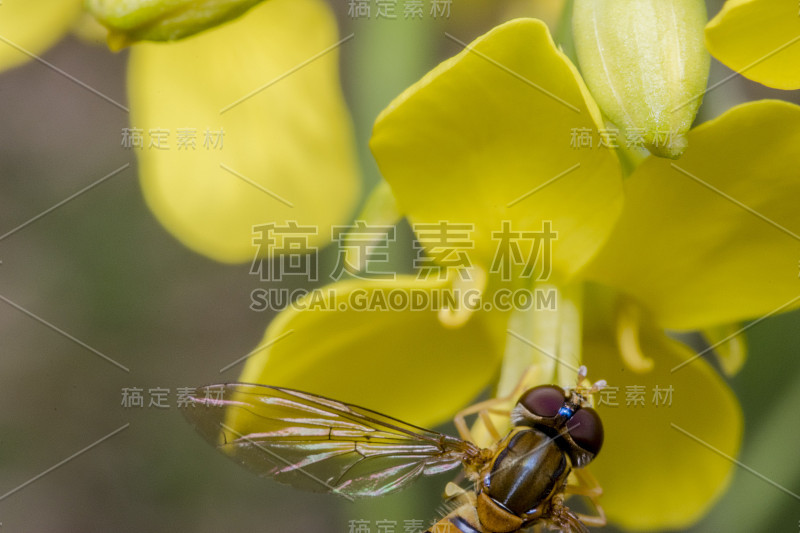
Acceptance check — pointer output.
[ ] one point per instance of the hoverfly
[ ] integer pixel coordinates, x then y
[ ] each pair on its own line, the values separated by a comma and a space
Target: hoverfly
323, 445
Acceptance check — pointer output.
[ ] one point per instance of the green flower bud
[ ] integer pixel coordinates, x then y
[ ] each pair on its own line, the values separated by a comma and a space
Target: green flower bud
646, 64
129, 21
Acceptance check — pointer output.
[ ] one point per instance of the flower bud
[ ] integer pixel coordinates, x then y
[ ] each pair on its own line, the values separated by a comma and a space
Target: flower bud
129, 21
646, 65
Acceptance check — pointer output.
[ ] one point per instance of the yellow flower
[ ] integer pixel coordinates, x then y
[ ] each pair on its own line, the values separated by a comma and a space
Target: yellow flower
261, 99
759, 39
238, 126
29, 27
696, 245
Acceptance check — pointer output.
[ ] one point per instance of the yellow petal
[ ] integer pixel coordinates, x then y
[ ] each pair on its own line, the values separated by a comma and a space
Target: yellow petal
287, 150
654, 473
486, 137
352, 342
32, 26
713, 238
760, 39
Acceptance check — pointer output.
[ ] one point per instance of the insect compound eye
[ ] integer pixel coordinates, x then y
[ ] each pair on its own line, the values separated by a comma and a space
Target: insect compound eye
586, 429
544, 400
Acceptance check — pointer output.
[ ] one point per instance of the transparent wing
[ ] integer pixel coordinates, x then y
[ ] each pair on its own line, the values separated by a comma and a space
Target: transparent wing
318, 444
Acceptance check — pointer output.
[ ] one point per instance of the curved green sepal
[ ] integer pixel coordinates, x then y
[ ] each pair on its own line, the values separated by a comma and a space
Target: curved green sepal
646, 65
129, 22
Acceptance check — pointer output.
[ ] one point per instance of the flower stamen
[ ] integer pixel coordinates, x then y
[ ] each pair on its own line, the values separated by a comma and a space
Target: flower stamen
627, 333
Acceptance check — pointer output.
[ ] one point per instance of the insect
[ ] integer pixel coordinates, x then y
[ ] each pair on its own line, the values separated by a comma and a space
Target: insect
324, 445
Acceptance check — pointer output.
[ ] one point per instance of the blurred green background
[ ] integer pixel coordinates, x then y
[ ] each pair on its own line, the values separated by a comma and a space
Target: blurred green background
101, 269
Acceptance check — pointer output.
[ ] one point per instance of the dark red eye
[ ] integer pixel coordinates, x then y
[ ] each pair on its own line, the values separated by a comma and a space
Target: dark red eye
586, 430
544, 400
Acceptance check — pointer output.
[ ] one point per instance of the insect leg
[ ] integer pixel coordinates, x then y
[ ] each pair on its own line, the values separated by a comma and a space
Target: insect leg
587, 484
589, 487
497, 406
483, 410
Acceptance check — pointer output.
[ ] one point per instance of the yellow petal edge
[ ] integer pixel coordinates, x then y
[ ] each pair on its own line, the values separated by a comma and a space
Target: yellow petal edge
30, 27
759, 39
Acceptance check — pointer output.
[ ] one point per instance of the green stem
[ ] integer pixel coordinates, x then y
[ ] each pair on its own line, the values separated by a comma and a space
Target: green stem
387, 57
